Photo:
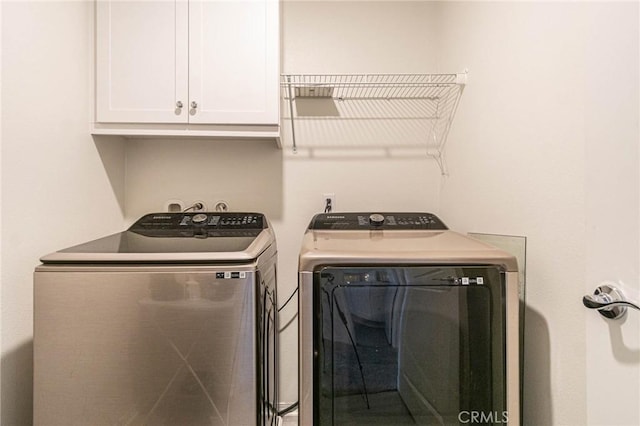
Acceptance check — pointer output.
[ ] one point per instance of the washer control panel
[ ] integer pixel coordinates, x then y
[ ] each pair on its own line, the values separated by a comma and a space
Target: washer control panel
372, 221
202, 224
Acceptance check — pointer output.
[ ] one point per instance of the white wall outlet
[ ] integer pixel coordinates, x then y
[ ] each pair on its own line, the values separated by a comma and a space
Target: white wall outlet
328, 202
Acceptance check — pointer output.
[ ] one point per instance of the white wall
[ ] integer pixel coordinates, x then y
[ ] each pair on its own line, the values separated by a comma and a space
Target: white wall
545, 145
1, 241
59, 187
246, 174
612, 205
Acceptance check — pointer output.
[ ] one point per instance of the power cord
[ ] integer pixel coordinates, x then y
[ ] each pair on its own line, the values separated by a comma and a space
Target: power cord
288, 300
327, 205
194, 206
293, 406
288, 409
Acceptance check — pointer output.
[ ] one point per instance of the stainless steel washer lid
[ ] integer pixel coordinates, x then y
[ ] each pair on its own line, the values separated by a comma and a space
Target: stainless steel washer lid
392, 238
177, 238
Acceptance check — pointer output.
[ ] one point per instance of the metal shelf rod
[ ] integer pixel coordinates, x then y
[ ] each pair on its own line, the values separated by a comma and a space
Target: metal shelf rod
293, 129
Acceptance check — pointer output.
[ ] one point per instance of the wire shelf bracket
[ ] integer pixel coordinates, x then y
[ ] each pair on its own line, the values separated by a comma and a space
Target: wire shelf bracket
437, 95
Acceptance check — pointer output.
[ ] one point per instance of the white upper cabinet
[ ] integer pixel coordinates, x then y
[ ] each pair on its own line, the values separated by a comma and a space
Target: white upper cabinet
194, 62
142, 61
233, 57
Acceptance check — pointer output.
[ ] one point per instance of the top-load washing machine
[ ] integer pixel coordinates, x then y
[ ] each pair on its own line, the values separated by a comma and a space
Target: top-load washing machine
172, 322
403, 321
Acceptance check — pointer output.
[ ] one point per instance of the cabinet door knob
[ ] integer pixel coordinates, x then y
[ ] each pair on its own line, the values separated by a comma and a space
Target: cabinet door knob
194, 104
179, 104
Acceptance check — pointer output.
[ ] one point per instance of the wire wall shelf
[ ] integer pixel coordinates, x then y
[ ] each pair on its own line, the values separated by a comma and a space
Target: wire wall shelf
424, 101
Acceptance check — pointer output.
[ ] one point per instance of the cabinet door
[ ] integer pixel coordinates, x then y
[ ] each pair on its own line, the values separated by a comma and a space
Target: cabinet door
141, 61
233, 61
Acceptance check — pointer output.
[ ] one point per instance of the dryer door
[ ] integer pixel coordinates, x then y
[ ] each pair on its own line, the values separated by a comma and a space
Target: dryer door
409, 345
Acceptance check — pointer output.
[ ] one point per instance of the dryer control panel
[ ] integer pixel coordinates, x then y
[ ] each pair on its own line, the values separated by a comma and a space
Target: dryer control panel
209, 224
373, 221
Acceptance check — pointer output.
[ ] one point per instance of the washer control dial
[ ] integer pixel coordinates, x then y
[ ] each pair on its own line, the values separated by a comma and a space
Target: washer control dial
199, 218
376, 219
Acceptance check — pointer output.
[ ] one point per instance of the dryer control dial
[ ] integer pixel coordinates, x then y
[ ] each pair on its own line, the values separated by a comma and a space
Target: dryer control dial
376, 219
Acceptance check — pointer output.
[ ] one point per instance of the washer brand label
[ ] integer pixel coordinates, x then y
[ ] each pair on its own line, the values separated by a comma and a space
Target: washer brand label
472, 281
230, 275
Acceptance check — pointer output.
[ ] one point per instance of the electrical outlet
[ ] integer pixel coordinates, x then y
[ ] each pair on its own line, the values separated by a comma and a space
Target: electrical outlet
329, 202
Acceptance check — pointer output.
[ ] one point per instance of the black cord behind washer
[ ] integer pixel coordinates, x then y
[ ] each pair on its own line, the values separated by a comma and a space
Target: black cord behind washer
288, 300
